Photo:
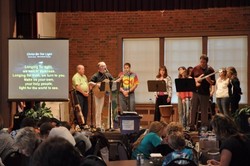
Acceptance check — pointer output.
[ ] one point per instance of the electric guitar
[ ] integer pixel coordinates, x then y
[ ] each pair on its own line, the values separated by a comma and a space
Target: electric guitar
200, 78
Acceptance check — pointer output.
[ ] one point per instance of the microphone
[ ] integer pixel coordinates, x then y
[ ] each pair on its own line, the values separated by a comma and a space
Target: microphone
106, 70
126, 72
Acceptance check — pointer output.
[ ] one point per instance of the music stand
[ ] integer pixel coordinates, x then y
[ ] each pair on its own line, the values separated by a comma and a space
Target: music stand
156, 86
105, 86
185, 84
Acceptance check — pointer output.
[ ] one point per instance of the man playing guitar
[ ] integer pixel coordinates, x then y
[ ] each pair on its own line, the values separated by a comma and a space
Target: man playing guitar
95, 82
200, 99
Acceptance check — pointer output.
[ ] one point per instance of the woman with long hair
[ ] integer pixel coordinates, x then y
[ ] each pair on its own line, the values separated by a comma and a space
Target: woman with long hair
234, 89
184, 100
222, 95
163, 98
149, 140
235, 146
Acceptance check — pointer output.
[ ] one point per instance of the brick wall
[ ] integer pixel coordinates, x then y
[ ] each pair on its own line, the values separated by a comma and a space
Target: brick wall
94, 36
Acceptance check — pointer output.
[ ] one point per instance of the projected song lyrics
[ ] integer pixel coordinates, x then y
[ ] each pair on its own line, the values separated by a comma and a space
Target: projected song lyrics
38, 77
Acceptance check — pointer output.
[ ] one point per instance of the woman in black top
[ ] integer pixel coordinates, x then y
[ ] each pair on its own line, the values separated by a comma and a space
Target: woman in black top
235, 146
233, 89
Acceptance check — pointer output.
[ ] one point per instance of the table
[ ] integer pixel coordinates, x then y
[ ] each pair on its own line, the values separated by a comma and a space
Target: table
128, 163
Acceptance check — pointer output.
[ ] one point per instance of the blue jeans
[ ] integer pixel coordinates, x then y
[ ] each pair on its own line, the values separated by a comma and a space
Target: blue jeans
223, 105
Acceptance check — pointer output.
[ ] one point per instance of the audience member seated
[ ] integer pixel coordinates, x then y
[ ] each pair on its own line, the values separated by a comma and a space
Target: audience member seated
44, 119
79, 136
26, 122
62, 132
235, 146
55, 122
27, 140
174, 127
147, 142
6, 142
163, 148
176, 141
16, 159
100, 146
45, 130
66, 124
56, 151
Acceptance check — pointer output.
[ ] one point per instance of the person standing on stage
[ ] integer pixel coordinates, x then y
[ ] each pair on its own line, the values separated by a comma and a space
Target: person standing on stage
189, 71
129, 82
95, 83
184, 100
234, 89
163, 98
200, 99
80, 84
222, 95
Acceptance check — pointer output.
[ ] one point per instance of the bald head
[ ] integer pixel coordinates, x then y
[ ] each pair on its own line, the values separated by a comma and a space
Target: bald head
80, 69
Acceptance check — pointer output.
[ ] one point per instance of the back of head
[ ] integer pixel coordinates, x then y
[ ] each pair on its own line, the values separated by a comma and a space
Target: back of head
44, 119
174, 127
100, 138
176, 140
28, 122
45, 129
62, 132
81, 137
224, 126
56, 151
66, 124
157, 127
55, 122
27, 140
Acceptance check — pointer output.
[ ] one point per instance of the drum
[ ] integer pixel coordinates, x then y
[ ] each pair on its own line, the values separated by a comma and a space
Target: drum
166, 112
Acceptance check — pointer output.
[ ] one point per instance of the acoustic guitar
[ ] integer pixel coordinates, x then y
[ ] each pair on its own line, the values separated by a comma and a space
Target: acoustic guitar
97, 88
79, 115
77, 108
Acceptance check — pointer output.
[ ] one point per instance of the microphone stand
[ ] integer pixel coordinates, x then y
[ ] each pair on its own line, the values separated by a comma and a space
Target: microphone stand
91, 111
128, 106
110, 102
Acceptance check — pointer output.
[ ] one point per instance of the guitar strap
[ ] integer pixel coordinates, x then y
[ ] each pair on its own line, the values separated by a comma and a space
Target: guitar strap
206, 72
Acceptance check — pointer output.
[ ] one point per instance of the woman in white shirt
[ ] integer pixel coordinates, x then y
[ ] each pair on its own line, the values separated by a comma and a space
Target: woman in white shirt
222, 94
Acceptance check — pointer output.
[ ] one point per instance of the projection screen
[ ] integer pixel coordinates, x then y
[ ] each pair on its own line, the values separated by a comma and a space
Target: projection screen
38, 69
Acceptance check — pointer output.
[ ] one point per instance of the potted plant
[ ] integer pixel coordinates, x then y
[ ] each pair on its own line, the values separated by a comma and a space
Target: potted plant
241, 118
39, 111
